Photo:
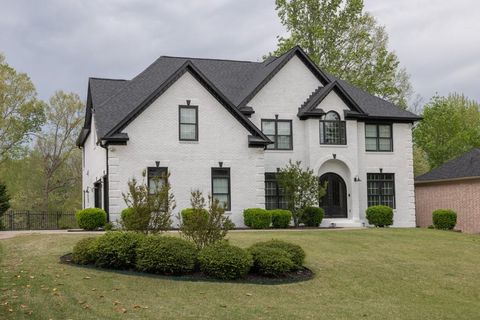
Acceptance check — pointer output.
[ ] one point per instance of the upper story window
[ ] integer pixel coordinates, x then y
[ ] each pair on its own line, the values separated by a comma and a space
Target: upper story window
280, 132
156, 178
332, 129
221, 186
378, 137
188, 123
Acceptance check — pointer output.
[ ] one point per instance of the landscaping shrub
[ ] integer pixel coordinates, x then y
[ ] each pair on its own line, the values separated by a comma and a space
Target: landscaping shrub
444, 219
165, 255
91, 218
84, 252
116, 250
224, 261
295, 251
257, 218
312, 216
271, 261
281, 218
380, 216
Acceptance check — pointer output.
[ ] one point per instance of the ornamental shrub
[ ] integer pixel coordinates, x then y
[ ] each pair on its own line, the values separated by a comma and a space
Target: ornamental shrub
380, 216
83, 251
116, 249
224, 261
312, 216
257, 218
271, 261
295, 251
281, 218
444, 219
91, 218
165, 255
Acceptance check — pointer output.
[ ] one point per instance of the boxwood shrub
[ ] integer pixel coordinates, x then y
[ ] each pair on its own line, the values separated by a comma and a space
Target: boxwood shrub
295, 252
224, 261
271, 261
165, 255
281, 218
312, 216
91, 218
380, 216
444, 219
257, 218
116, 249
83, 251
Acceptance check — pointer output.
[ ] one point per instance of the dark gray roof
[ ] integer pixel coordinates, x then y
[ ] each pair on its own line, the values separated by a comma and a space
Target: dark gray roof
464, 166
102, 89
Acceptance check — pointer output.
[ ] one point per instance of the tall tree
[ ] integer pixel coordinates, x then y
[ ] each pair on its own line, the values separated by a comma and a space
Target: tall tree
346, 42
450, 127
20, 112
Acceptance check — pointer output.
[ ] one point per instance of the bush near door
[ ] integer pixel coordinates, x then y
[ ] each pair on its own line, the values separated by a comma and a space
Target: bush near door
257, 218
312, 216
281, 218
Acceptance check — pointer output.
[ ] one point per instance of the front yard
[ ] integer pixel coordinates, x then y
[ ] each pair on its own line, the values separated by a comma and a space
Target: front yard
371, 274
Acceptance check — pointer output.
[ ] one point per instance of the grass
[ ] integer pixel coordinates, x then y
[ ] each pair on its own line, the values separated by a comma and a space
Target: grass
371, 274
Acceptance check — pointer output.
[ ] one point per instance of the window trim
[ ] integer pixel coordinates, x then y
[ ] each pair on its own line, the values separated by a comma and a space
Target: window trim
180, 107
378, 124
275, 144
148, 176
229, 195
277, 195
383, 181
322, 129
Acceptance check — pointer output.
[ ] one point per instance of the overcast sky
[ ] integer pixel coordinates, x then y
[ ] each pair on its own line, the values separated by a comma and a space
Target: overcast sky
61, 43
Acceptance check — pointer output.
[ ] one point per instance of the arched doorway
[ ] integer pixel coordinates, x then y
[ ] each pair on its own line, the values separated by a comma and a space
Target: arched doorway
335, 200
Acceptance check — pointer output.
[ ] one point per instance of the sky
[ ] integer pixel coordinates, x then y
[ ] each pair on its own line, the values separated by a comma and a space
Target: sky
60, 43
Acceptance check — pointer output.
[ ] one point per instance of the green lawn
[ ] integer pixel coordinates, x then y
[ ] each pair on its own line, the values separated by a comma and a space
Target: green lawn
372, 274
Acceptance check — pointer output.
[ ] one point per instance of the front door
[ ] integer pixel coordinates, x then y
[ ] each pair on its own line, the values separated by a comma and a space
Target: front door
335, 200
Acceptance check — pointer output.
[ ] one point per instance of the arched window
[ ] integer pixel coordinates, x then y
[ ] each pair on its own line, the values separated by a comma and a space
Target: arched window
332, 129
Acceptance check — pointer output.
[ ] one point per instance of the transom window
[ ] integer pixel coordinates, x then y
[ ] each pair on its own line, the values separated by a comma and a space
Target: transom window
274, 197
280, 132
378, 137
332, 129
156, 178
381, 189
221, 186
188, 123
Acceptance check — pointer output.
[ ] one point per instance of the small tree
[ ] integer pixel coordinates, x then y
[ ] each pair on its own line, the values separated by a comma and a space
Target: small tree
301, 188
4, 202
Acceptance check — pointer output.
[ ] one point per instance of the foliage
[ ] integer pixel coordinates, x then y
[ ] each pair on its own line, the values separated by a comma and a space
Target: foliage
450, 127
295, 252
224, 261
420, 161
271, 261
380, 216
165, 255
66, 223
204, 226
281, 218
444, 219
312, 216
116, 249
257, 218
4, 199
346, 42
301, 188
91, 218
83, 251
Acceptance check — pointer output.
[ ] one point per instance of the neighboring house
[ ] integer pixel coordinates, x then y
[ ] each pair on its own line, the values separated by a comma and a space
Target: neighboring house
225, 127
454, 185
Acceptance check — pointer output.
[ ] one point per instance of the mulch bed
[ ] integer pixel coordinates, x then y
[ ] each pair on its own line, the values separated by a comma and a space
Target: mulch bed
303, 274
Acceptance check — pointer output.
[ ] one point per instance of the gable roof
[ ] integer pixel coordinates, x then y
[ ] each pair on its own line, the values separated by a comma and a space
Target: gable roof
463, 167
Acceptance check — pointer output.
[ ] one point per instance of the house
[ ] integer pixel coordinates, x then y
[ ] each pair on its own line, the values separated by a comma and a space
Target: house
225, 127
454, 185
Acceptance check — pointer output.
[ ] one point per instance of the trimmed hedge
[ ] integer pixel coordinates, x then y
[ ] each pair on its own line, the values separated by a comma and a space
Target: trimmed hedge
281, 218
271, 261
380, 216
312, 216
257, 218
295, 251
224, 261
444, 219
83, 251
116, 249
91, 218
165, 255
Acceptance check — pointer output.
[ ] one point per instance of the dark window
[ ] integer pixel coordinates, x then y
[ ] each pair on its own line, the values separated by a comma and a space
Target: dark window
156, 178
332, 129
274, 197
97, 195
221, 186
188, 123
381, 189
280, 132
378, 137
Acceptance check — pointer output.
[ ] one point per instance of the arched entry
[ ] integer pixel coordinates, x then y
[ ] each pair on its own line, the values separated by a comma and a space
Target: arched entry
335, 200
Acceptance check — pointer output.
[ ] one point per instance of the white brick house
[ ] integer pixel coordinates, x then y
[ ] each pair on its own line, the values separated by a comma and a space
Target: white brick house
225, 127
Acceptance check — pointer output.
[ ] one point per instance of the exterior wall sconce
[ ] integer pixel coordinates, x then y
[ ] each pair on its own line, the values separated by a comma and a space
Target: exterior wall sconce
357, 179
381, 170
278, 170
220, 164
333, 225
334, 155
157, 163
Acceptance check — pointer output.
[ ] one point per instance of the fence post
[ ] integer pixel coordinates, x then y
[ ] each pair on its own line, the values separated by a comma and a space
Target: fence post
12, 218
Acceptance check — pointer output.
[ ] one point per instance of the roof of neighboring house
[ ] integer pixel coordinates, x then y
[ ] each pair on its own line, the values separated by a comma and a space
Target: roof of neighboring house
463, 167
117, 102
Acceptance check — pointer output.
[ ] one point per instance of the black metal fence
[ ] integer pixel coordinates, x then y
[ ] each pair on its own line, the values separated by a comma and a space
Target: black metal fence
29, 220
